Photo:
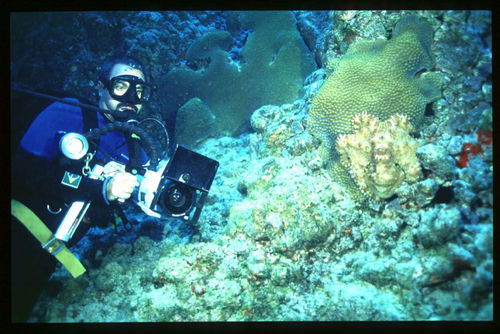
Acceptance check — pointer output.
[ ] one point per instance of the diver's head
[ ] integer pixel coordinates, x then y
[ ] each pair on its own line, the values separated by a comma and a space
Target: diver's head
123, 85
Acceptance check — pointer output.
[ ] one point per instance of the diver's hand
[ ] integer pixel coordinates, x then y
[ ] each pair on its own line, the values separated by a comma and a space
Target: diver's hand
121, 186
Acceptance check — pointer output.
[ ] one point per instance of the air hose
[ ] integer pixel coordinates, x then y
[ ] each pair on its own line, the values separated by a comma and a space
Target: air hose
114, 113
146, 141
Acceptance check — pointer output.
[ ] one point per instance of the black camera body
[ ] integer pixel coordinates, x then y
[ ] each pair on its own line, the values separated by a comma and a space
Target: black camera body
179, 187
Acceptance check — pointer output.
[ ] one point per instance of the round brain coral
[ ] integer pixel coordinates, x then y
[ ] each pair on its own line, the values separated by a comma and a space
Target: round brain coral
379, 78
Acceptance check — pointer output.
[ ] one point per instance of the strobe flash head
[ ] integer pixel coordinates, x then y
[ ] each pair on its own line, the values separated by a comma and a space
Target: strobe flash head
74, 145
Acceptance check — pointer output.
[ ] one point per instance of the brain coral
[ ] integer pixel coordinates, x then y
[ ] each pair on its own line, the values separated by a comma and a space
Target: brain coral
379, 155
378, 78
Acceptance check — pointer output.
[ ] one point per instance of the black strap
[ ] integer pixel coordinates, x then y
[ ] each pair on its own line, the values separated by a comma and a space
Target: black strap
134, 151
89, 120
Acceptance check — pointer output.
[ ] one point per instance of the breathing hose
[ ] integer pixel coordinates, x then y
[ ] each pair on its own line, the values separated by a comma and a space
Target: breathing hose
147, 142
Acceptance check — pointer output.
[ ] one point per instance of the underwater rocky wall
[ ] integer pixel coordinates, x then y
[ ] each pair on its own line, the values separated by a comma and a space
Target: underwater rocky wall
280, 239
63, 51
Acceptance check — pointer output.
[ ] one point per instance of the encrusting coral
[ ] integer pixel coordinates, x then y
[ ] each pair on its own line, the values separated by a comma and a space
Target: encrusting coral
379, 155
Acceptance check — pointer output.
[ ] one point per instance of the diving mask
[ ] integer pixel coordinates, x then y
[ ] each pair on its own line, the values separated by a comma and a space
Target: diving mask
129, 89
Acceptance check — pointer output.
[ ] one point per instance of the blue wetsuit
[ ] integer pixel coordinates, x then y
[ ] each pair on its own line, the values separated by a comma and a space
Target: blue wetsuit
37, 170
40, 137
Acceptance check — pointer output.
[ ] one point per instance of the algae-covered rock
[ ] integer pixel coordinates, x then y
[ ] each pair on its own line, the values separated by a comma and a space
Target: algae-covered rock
436, 159
171, 270
256, 263
422, 192
109, 277
437, 226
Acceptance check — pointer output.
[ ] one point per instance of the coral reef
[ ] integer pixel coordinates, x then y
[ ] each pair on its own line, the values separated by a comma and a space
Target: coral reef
279, 239
380, 155
378, 78
272, 66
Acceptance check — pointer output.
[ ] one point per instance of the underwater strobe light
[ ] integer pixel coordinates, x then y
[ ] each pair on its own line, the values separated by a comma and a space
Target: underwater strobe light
74, 145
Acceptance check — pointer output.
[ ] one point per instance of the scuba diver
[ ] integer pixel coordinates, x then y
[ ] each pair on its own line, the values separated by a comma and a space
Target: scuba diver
43, 182
63, 182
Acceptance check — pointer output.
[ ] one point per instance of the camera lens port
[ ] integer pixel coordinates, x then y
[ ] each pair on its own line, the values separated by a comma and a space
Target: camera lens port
177, 198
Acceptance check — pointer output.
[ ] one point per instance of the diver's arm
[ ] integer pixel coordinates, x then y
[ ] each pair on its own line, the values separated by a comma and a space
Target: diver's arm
39, 176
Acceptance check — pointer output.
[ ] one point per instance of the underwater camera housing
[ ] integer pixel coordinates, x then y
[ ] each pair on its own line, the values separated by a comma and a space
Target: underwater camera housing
179, 187
173, 187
